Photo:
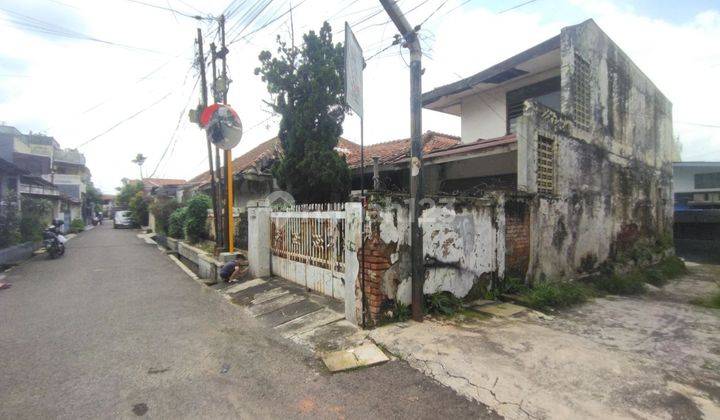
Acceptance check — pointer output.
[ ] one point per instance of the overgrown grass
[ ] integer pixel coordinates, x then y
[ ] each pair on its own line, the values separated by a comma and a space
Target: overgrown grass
555, 294
402, 312
712, 301
671, 267
632, 283
442, 303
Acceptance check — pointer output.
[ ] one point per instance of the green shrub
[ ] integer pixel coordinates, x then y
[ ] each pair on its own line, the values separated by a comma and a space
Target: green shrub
640, 254
401, 312
664, 241
9, 225
632, 283
162, 209
176, 223
139, 209
195, 224
555, 294
671, 267
442, 303
36, 214
712, 301
77, 226
513, 285
655, 277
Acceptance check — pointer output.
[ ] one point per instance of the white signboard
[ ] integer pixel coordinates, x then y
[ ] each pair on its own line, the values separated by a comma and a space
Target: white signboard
354, 64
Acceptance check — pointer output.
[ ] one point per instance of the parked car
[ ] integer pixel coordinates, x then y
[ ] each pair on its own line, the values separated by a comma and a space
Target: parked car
122, 219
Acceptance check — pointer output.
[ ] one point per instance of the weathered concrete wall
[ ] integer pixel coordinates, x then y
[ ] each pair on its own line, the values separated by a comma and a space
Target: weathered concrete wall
172, 244
463, 246
190, 252
630, 117
612, 170
18, 253
259, 240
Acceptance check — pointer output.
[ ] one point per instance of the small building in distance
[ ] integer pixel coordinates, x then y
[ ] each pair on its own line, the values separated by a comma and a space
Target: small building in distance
696, 187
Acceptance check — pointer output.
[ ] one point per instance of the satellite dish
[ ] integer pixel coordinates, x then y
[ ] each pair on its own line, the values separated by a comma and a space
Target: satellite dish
222, 126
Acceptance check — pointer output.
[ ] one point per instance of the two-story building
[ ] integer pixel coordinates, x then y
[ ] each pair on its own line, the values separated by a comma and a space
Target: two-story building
574, 128
54, 173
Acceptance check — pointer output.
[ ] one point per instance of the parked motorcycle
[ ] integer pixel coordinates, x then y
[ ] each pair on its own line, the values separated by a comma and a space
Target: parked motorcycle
54, 241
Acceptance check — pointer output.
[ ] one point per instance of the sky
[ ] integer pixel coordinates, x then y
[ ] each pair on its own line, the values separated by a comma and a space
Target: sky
120, 80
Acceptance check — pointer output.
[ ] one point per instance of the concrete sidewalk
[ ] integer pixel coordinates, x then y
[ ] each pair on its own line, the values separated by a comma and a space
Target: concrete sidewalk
655, 356
308, 318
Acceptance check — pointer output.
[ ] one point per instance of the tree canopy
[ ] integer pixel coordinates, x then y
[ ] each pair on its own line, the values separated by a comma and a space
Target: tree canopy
307, 85
127, 192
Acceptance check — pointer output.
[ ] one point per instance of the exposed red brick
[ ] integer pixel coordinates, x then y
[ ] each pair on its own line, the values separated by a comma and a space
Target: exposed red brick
517, 238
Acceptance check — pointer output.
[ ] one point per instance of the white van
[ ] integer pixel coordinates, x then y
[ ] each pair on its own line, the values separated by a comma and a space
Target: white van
122, 219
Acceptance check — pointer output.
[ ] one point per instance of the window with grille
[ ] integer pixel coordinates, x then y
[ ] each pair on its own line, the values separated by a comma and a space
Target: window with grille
581, 92
545, 165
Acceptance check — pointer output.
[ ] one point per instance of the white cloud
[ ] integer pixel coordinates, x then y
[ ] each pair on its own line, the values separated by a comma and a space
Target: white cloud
66, 77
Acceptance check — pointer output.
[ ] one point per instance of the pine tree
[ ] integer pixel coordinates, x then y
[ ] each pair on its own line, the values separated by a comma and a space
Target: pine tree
307, 85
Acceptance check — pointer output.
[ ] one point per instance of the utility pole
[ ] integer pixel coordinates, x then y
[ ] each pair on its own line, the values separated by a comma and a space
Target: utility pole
220, 229
204, 103
229, 221
416, 180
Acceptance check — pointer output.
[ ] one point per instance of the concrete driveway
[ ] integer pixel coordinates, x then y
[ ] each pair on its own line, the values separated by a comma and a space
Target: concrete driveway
650, 357
115, 329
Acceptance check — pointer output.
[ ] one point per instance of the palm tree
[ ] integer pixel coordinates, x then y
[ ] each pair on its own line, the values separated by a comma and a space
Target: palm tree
139, 160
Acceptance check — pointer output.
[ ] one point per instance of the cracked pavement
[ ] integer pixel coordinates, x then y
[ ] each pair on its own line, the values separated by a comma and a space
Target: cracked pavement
655, 356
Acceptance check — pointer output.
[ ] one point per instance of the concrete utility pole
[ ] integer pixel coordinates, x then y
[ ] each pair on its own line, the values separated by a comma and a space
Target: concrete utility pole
416, 181
220, 226
204, 103
229, 221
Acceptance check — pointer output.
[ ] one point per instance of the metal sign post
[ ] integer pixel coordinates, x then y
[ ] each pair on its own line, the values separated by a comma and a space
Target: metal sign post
354, 66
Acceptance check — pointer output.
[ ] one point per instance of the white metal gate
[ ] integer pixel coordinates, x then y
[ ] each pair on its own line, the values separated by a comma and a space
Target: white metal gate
307, 245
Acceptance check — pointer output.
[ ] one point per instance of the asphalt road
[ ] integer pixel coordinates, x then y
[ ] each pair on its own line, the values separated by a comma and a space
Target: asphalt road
115, 329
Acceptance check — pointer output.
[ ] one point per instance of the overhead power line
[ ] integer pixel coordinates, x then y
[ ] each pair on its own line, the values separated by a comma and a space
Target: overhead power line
124, 120
170, 9
698, 124
32, 24
517, 6
250, 15
181, 118
433, 12
265, 25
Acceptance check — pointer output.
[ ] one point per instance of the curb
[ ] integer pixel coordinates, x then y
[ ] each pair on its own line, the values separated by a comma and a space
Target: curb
185, 269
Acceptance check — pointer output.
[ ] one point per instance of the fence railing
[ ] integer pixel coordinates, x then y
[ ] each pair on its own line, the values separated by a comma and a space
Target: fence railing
313, 234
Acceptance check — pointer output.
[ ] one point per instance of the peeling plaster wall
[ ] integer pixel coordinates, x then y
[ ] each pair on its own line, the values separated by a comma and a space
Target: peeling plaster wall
612, 178
463, 244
